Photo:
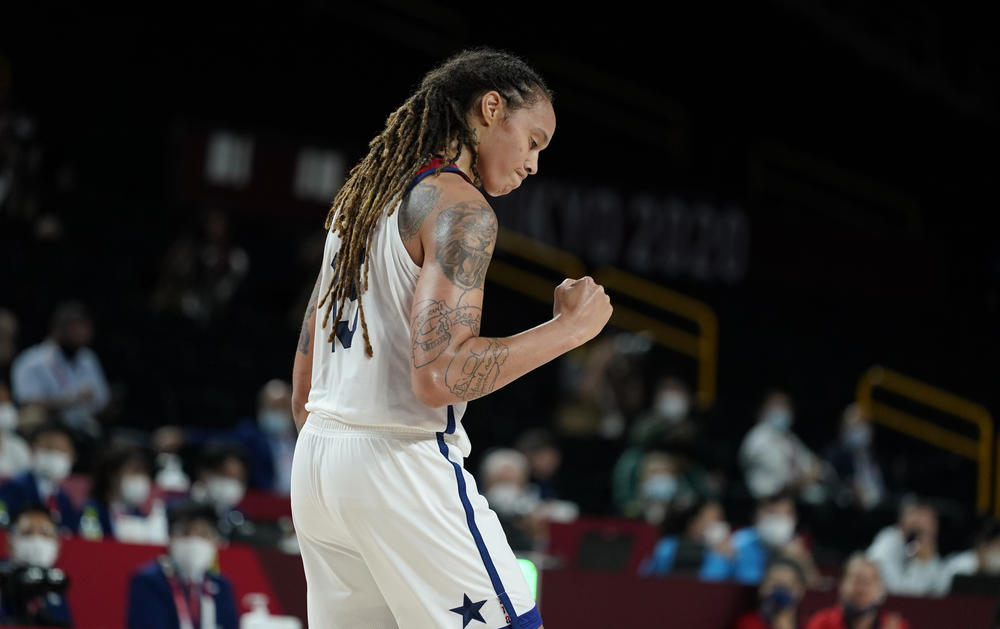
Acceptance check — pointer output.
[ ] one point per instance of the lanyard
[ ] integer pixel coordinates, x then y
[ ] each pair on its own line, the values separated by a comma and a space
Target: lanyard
188, 609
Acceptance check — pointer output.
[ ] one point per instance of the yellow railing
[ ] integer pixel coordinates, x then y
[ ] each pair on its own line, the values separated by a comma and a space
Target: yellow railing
703, 346
979, 449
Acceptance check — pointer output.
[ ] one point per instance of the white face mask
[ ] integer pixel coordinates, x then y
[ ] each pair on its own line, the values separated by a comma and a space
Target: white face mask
225, 492
275, 422
716, 533
672, 405
779, 418
858, 437
659, 487
135, 489
776, 530
52, 465
194, 555
8, 417
34, 550
991, 562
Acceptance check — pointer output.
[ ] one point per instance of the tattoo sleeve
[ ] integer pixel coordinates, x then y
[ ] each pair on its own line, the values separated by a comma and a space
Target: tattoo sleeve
432, 327
465, 236
305, 335
473, 372
415, 208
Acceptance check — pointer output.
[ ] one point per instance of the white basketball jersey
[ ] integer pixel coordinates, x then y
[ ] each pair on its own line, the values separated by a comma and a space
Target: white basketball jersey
354, 389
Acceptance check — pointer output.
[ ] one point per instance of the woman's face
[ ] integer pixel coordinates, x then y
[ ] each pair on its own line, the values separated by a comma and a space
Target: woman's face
510, 141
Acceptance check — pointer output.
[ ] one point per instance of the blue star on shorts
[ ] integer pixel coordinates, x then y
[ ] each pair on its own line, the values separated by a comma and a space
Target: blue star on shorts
469, 611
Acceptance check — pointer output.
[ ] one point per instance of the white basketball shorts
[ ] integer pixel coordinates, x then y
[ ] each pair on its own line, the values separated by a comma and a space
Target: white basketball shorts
394, 533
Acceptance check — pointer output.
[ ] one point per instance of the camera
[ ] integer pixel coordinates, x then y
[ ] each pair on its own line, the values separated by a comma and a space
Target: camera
30, 592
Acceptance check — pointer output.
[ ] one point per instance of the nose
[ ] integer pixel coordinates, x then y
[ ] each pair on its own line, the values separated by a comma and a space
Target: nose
531, 166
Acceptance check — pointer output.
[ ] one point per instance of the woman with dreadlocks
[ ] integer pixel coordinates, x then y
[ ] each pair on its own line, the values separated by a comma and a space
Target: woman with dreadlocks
391, 527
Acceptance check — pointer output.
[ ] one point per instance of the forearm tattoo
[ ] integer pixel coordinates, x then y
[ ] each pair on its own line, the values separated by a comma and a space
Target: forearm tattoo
305, 335
432, 328
474, 371
415, 208
465, 236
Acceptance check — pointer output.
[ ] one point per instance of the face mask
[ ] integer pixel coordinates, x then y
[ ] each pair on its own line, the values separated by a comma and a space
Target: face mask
135, 489
991, 562
275, 422
716, 533
193, 555
51, 465
672, 405
659, 487
776, 530
225, 492
34, 550
779, 418
858, 437
8, 417
776, 601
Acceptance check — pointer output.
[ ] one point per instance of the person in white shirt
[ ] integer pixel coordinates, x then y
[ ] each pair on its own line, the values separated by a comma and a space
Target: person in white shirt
15, 455
774, 459
62, 374
907, 552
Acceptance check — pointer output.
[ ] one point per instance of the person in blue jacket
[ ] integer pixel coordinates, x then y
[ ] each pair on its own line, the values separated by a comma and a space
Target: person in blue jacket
53, 454
183, 588
772, 534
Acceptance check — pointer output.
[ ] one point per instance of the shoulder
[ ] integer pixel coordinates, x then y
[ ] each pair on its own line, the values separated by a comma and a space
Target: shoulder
745, 537
826, 617
224, 586
149, 572
33, 355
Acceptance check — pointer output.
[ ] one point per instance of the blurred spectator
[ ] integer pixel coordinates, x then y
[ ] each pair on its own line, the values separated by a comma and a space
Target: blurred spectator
268, 439
32, 591
222, 483
692, 528
781, 590
602, 386
982, 559
8, 343
201, 273
774, 459
662, 477
907, 552
15, 456
177, 590
862, 595
52, 458
122, 504
773, 534
63, 375
854, 463
504, 483
544, 459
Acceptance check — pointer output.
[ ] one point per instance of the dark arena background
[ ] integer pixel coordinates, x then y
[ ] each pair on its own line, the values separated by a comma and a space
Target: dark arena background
793, 205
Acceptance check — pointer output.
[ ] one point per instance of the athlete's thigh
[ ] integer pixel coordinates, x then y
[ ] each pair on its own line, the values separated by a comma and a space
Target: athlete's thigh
436, 550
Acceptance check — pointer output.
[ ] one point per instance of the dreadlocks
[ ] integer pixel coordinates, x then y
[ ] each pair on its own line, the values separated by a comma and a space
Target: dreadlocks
426, 124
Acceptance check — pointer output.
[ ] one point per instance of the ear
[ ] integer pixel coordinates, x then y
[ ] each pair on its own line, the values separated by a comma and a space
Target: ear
490, 107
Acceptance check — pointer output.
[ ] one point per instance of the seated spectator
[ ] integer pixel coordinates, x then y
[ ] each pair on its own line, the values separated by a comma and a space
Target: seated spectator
774, 459
772, 535
121, 503
862, 595
32, 591
666, 474
544, 458
853, 461
15, 456
907, 554
268, 439
503, 481
63, 375
222, 483
52, 456
982, 559
692, 528
176, 590
780, 592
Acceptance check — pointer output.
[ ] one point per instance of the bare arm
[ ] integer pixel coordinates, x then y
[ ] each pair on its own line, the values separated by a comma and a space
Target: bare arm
302, 367
450, 362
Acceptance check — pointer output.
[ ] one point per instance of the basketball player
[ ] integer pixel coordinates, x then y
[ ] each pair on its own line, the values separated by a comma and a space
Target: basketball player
392, 529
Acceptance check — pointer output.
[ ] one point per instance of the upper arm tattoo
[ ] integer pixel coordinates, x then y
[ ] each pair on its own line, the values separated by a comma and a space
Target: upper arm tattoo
416, 206
431, 328
465, 236
306, 333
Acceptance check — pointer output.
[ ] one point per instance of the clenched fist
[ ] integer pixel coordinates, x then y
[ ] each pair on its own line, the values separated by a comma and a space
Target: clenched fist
582, 307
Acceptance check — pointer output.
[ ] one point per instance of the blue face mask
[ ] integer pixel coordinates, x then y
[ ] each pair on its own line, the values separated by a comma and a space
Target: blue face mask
659, 487
275, 422
777, 600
